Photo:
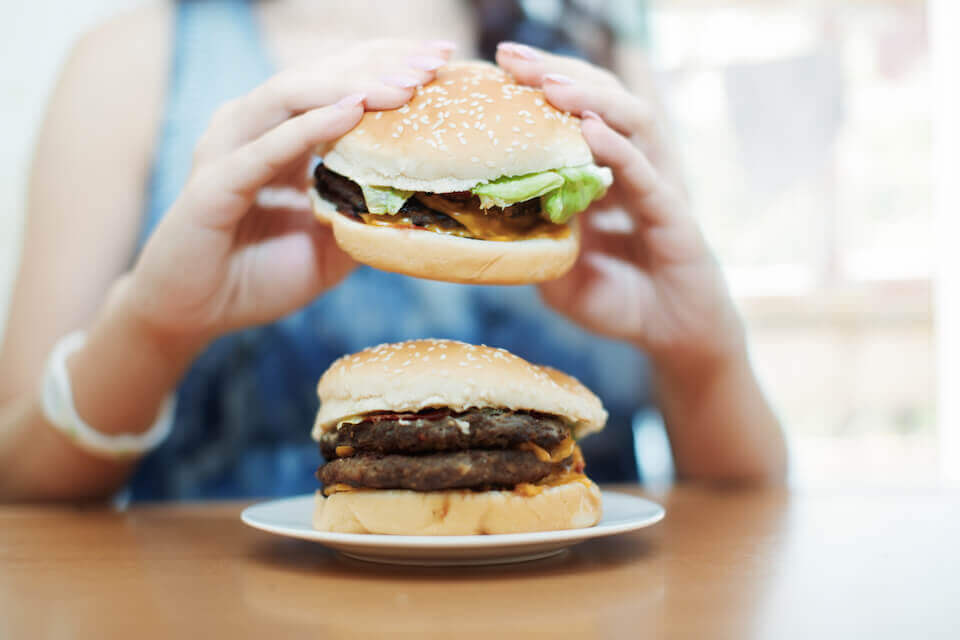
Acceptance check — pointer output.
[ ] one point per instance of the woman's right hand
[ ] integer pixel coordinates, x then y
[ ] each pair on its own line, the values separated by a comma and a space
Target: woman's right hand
222, 258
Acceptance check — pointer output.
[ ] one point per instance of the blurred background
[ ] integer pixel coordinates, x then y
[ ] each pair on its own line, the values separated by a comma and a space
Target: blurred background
808, 132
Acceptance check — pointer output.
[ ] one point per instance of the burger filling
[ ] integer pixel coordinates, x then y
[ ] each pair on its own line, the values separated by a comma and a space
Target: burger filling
433, 450
511, 208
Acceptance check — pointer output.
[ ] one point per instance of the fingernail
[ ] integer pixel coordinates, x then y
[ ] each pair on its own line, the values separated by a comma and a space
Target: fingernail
586, 114
519, 50
426, 63
557, 78
350, 101
447, 46
400, 80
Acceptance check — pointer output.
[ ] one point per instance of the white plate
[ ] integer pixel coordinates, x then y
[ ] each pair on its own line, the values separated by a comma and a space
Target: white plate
291, 517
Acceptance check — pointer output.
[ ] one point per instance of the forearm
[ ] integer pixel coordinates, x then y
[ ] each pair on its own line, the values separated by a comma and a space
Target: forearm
119, 379
720, 424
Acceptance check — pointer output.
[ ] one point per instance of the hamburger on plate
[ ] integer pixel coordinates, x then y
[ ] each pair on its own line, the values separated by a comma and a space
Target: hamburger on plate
438, 437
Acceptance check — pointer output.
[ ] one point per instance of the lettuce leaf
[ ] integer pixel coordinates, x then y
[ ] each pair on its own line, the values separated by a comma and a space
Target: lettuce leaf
510, 190
563, 193
384, 199
581, 186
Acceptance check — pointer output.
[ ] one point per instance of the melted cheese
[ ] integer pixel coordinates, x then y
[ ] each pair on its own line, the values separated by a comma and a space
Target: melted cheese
561, 452
338, 488
350, 420
344, 451
479, 224
529, 489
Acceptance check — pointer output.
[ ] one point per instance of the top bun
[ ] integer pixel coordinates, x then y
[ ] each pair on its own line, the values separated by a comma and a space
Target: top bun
471, 125
417, 374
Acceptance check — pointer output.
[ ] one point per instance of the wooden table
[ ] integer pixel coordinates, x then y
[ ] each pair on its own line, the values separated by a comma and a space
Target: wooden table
724, 564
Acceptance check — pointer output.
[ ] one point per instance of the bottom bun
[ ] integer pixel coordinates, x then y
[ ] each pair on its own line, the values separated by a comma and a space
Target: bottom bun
436, 256
573, 505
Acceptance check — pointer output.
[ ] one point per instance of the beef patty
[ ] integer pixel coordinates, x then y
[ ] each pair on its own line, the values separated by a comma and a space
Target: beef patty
433, 472
445, 431
348, 198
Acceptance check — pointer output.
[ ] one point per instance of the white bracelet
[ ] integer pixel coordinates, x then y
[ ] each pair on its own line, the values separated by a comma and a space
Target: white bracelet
58, 409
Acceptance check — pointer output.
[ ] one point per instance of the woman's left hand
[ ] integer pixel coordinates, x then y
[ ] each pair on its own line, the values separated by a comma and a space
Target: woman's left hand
645, 273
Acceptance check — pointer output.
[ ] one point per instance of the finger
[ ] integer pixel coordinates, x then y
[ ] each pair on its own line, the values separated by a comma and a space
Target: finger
592, 294
296, 259
577, 86
611, 232
529, 66
387, 77
625, 112
227, 188
648, 198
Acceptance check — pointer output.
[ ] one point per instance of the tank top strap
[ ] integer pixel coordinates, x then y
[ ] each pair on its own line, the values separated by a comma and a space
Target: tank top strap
218, 54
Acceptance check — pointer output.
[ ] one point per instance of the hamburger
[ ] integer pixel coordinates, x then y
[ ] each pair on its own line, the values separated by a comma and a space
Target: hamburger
477, 180
438, 437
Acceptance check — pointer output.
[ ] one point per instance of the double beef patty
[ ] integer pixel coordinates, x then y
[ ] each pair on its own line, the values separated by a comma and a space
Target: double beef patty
434, 450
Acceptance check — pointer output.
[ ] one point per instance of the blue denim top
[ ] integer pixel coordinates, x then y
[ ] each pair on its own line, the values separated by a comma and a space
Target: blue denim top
246, 406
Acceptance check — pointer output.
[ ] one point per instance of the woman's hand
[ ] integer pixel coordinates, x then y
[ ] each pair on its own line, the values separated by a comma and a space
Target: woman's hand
645, 273
231, 253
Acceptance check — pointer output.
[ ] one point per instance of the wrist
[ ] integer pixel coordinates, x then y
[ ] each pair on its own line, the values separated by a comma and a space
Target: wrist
124, 313
126, 367
696, 363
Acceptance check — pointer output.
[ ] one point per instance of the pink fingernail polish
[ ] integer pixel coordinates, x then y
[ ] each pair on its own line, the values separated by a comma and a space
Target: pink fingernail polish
590, 115
519, 50
557, 78
446, 46
399, 80
426, 63
350, 101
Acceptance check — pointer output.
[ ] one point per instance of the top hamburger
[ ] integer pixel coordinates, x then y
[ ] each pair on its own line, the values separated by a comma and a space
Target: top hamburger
477, 180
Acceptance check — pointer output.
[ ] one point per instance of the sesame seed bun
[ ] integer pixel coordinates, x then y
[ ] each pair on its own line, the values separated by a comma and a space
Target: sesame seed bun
418, 374
471, 125
573, 505
435, 256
